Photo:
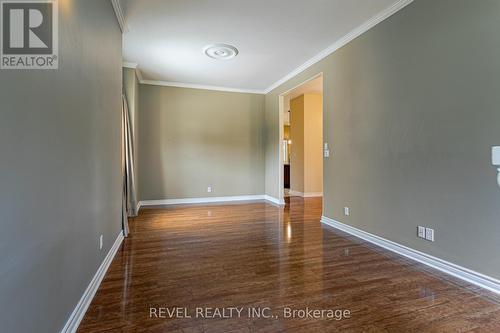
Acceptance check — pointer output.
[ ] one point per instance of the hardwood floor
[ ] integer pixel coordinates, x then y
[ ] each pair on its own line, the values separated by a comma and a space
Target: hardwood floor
256, 255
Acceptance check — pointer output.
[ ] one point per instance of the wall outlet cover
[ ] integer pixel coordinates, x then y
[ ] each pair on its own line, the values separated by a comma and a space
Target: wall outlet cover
429, 234
346, 211
100, 242
209, 189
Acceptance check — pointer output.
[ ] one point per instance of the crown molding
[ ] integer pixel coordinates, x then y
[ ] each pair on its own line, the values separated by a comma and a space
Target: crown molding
119, 15
200, 86
373, 21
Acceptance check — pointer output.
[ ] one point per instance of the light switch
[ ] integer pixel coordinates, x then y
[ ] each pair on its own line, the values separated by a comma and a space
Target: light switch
421, 232
346, 211
495, 155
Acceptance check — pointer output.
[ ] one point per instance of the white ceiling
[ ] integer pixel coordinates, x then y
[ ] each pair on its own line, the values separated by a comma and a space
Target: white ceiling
274, 37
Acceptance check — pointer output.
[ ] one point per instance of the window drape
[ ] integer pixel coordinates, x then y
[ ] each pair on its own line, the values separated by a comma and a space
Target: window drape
129, 202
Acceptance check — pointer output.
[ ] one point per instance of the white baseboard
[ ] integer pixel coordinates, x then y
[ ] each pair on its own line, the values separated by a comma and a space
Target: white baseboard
84, 302
305, 194
274, 200
460, 272
164, 202
205, 200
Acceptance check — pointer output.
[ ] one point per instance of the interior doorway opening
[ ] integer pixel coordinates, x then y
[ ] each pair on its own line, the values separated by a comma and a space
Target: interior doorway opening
301, 140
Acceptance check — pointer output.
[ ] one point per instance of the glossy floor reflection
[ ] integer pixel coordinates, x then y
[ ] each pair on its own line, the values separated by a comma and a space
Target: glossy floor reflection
256, 255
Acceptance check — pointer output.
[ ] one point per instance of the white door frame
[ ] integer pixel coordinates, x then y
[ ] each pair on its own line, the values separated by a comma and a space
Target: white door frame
281, 102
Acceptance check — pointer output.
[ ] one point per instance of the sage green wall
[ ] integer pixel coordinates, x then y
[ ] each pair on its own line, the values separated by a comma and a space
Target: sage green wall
411, 110
131, 91
60, 168
191, 139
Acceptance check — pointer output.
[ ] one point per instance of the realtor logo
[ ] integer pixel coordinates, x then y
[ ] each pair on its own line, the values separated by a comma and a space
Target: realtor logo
29, 35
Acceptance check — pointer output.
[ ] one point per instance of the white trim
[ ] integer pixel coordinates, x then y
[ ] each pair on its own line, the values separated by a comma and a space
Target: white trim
163, 202
373, 21
132, 65
139, 74
274, 200
314, 77
84, 302
119, 15
306, 194
460, 272
201, 86
281, 135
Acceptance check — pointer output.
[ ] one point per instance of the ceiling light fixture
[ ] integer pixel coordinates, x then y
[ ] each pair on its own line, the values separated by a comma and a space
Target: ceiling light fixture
220, 51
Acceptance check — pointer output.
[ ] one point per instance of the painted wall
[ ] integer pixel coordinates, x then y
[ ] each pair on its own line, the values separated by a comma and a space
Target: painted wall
411, 112
60, 168
131, 91
297, 154
306, 163
191, 139
313, 143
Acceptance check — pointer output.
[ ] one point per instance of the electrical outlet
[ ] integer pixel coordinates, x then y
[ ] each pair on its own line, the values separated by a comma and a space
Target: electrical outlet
327, 153
209, 189
346, 211
100, 242
421, 231
429, 234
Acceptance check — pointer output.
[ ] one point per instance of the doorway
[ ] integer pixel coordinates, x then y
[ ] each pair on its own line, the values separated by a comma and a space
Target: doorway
301, 140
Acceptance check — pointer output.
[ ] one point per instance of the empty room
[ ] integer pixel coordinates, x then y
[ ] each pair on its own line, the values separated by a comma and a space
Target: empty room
249, 166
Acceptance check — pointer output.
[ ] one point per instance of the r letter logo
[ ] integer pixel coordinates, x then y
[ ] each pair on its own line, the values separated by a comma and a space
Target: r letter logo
29, 35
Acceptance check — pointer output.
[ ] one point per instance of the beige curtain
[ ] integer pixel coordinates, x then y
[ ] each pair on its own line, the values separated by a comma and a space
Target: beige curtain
129, 201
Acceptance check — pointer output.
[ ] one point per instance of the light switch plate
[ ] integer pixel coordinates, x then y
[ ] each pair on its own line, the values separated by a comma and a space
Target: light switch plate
346, 211
429, 234
421, 232
495, 155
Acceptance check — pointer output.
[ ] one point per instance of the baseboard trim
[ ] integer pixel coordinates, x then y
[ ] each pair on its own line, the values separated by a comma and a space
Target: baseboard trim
274, 200
306, 194
478, 279
84, 302
164, 202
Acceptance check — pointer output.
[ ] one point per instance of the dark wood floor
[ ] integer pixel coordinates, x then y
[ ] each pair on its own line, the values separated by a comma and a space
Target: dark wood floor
259, 255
